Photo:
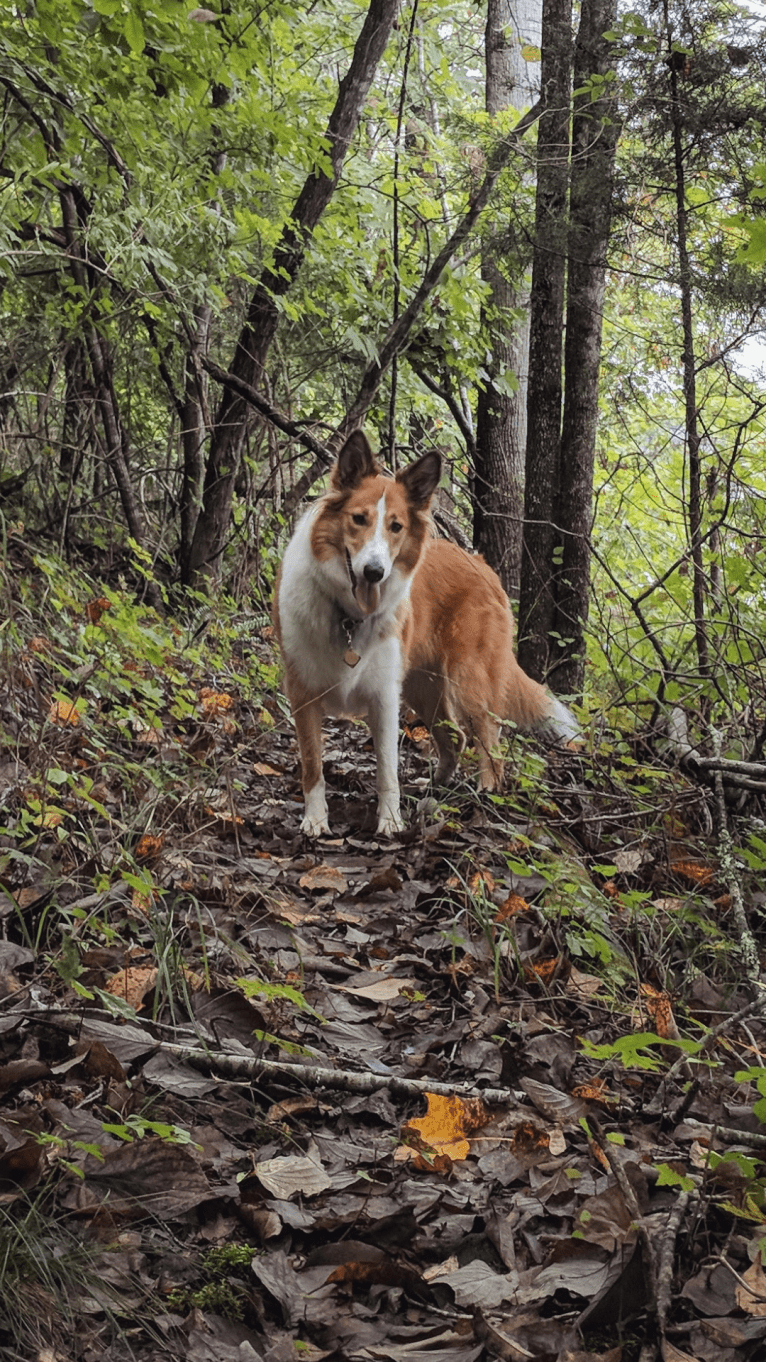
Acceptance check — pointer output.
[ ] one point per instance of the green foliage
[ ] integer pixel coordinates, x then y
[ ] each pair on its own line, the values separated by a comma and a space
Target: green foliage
639, 1050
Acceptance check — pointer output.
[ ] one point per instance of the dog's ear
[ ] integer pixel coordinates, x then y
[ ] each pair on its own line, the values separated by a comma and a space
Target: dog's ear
421, 479
355, 462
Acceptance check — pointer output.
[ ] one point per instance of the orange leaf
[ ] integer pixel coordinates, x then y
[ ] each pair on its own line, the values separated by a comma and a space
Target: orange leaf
95, 609
148, 848
544, 970
132, 984
447, 1124
64, 713
262, 768
215, 701
595, 1091
416, 733
481, 881
513, 904
693, 871
660, 1009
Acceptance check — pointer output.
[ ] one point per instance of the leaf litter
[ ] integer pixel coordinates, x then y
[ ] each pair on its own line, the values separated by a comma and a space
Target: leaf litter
443, 1097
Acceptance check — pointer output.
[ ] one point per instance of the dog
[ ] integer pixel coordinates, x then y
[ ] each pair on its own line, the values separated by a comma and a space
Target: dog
370, 608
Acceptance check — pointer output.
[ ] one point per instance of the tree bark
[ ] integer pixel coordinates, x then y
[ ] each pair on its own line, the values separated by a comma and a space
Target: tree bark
501, 417
594, 139
693, 438
255, 339
537, 595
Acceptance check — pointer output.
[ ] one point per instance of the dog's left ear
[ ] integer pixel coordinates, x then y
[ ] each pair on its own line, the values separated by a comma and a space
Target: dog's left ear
356, 461
421, 479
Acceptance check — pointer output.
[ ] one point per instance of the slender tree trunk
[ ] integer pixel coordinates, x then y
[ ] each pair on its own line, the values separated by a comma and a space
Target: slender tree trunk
693, 438
501, 417
594, 140
231, 421
537, 595
99, 356
195, 415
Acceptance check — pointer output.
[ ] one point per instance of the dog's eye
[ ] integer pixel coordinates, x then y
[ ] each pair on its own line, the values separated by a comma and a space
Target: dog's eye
359, 519
396, 528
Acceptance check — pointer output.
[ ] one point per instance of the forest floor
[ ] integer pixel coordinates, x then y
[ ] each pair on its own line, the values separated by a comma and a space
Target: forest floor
486, 1090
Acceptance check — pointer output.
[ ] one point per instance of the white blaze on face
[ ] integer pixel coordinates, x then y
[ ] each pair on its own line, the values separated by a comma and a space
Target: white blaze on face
373, 563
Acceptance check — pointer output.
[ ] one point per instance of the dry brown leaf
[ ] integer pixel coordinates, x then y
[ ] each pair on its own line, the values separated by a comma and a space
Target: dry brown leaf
291, 1106
283, 1177
262, 768
752, 1297
324, 877
382, 990
132, 984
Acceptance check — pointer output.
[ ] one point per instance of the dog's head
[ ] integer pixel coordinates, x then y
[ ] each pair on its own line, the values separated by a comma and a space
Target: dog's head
368, 524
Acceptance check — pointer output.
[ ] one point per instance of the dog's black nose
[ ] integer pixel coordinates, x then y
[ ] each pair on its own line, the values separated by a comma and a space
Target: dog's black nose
373, 572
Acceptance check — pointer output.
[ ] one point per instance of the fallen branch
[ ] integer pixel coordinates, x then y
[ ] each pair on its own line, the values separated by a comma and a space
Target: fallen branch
248, 1067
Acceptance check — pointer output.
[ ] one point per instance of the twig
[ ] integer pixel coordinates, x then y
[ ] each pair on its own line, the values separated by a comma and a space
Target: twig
665, 1260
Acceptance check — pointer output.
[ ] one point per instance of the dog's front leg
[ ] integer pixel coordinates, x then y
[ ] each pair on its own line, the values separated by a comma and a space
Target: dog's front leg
384, 723
308, 724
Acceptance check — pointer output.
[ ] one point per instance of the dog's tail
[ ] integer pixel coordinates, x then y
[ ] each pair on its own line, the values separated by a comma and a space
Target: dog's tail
530, 706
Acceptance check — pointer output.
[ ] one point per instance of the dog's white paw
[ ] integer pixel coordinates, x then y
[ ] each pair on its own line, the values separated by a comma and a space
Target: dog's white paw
314, 827
389, 823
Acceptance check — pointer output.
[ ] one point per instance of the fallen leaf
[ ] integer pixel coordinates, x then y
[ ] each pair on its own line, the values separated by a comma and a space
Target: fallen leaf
132, 983
64, 713
324, 877
447, 1124
752, 1297
382, 990
283, 1177
95, 609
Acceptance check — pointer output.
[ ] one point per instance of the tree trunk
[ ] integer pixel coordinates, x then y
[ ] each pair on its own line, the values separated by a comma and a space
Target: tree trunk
537, 595
693, 438
255, 339
594, 140
501, 417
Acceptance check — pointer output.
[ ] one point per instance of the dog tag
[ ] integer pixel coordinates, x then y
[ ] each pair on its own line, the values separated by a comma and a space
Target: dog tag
351, 657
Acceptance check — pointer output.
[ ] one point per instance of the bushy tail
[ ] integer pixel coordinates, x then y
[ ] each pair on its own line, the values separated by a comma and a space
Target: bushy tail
530, 706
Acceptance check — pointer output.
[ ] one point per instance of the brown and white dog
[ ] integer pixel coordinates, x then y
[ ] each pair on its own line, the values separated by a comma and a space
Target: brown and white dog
369, 607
